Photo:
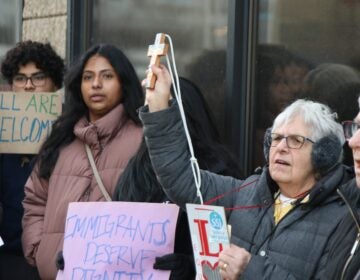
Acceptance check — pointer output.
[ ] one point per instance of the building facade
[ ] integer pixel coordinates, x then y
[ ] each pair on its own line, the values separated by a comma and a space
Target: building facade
250, 58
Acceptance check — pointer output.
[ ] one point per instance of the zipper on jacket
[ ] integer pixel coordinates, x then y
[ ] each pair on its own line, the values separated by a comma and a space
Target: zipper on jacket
353, 214
357, 240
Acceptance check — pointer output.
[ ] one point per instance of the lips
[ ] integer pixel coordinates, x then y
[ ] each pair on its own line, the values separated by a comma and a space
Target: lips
97, 97
282, 162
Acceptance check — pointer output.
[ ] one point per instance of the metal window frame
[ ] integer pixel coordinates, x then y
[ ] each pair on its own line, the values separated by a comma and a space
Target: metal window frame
79, 25
239, 70
240, 76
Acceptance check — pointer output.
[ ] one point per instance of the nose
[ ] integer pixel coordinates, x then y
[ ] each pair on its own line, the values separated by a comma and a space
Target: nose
282, 144
354, 141
29, 85
96, 82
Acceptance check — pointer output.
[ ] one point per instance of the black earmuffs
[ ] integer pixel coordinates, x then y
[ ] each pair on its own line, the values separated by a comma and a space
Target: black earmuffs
326, 152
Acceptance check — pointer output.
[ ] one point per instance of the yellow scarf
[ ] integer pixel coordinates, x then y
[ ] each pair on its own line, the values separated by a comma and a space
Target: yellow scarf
283, 205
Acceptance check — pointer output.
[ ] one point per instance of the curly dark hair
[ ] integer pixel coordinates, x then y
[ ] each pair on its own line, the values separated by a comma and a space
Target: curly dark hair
42, 54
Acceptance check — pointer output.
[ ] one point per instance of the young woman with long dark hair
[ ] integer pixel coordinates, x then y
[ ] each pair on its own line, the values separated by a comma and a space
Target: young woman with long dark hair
102, 95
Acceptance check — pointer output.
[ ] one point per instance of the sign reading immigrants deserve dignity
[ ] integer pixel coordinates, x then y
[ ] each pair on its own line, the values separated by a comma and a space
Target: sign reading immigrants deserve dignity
26, 119
117, 240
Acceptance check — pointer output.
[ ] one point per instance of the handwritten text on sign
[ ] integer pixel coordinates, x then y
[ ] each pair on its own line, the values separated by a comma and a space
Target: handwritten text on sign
26, 119
117, 240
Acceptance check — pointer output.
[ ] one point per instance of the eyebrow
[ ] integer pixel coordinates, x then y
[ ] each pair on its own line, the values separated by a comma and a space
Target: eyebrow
32, 74
101, 71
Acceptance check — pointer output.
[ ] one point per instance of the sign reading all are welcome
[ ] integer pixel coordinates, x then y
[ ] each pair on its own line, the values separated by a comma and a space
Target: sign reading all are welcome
26, 119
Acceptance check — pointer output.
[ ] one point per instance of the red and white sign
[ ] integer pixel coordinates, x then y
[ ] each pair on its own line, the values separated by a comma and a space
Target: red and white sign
209, 235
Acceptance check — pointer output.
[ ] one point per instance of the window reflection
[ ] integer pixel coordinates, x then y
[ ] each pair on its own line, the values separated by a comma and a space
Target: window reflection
199, 33
300, 45
10, 20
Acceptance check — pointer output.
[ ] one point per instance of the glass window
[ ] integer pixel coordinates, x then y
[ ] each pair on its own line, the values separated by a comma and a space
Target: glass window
10, 26
305, 49
198, 29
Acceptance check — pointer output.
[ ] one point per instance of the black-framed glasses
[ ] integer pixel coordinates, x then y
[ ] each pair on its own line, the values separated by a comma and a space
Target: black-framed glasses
37, 79
350, 128
292, 141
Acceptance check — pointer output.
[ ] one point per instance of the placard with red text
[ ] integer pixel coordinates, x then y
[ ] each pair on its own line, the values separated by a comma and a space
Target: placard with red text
209, 235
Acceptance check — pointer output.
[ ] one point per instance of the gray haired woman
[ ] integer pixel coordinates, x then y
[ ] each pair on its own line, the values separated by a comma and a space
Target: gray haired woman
282, 219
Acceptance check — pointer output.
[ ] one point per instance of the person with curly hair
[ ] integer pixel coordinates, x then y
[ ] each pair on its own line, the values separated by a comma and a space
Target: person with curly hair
28, 67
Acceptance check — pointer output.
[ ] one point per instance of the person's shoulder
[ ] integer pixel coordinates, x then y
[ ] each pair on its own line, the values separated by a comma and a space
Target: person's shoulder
351, 191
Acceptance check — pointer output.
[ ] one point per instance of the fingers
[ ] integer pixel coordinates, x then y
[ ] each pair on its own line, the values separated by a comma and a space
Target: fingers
223, 265
157, 98
233, 261
226, 271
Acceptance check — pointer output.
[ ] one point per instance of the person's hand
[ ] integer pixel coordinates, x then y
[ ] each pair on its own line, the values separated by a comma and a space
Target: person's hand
158, 98
233, 261
59, 261
182, 266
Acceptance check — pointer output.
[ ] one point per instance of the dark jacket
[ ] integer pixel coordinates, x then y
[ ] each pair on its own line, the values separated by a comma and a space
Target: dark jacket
14, 171
295, 248
344, 257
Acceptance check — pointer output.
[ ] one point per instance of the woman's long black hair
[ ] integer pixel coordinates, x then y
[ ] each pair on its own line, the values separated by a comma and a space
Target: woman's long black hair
138, 182
74, 108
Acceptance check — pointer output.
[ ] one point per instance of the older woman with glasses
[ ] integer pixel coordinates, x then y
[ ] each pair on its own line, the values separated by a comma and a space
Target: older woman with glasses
282, 219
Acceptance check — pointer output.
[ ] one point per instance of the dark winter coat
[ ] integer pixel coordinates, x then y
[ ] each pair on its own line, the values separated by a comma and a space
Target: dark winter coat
14, 171
344, 257
295, 248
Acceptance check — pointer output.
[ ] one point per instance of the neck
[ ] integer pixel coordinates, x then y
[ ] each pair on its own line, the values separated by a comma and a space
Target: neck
296, 192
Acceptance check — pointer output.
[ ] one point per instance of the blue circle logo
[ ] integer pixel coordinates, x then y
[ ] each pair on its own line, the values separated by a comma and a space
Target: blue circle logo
216, 220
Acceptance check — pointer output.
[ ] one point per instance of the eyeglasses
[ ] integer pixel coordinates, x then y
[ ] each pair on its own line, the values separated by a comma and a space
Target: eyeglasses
292, 141
350, 128
37, 80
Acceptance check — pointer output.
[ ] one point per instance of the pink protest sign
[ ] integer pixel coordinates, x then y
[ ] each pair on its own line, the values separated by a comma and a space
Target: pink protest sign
117, 240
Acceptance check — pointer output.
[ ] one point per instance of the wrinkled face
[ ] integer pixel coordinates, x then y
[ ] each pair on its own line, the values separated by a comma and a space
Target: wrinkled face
100, 87
292, 168
354, 143
32, 79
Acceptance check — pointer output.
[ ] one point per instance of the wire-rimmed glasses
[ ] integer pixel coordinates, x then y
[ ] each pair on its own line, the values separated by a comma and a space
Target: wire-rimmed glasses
293, 141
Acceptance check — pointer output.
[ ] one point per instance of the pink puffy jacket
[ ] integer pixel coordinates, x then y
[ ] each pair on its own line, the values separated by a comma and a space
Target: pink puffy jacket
113, 139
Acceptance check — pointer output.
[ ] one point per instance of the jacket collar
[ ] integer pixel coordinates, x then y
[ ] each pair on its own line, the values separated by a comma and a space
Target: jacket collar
99, 133
326, 187
323, 188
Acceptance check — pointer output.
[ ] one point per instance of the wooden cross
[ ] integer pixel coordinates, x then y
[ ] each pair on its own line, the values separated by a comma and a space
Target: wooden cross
159, 48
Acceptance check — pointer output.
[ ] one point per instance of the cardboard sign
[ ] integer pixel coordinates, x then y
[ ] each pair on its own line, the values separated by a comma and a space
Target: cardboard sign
117, 240
26, 119
209, 235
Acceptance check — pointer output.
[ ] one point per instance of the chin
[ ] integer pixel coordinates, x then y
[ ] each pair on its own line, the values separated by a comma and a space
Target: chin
357, 181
